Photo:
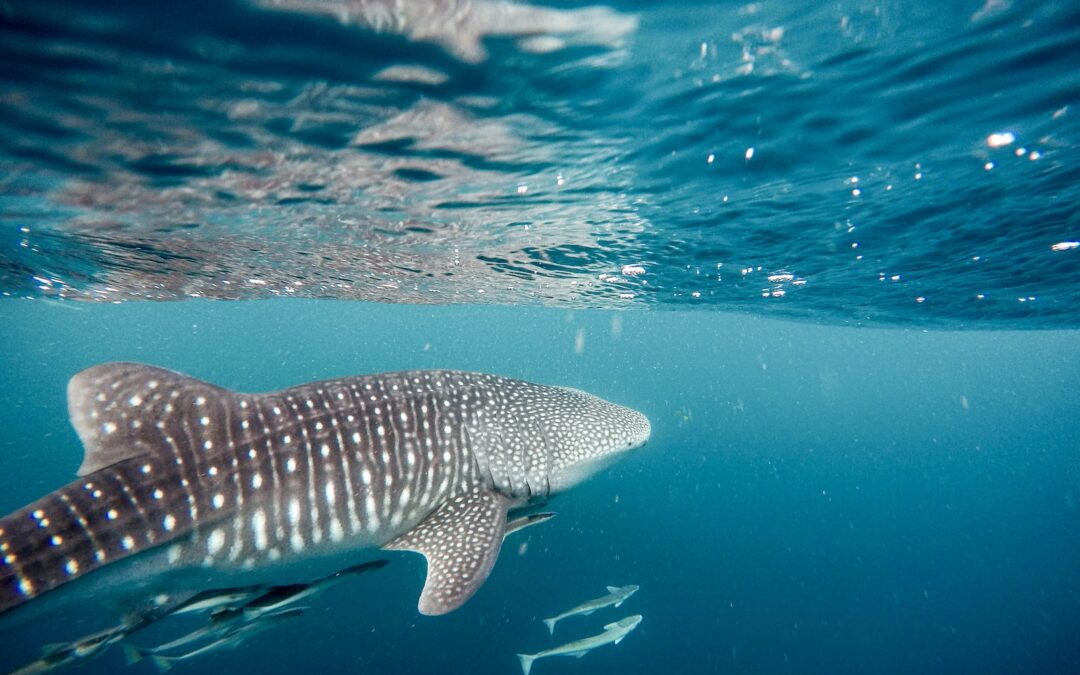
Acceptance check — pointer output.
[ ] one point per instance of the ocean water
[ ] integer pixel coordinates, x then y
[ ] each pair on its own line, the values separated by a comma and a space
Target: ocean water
831, 250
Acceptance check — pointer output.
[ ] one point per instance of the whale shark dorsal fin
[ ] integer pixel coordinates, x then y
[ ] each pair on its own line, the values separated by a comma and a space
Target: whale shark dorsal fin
613, 589
460, 540
116, 409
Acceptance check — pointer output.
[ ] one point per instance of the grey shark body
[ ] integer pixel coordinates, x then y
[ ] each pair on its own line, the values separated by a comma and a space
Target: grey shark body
526, 521
279, 598
218, 599
613, 634
73, 653
616, 596
228, 640
180, 475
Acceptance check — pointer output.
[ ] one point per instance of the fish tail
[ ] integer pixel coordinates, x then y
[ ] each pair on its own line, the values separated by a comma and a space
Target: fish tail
132, 653
526, 662
85, 525
163, 663
550, 623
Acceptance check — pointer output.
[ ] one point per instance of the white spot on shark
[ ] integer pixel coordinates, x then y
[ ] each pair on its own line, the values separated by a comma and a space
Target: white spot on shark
258, 528
215, 541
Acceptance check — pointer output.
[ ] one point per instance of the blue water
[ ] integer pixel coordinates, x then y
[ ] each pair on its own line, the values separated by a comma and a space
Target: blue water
814, 499
831, 250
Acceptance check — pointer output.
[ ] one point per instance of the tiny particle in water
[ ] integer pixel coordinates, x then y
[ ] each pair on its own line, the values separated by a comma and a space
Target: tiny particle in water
1000, 139
749, 153
1065, 245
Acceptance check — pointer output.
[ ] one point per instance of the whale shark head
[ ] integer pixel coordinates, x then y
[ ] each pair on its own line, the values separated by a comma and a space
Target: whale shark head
590, 434
538, 439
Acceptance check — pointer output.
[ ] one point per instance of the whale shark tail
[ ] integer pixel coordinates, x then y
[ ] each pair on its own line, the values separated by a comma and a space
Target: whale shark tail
526, 662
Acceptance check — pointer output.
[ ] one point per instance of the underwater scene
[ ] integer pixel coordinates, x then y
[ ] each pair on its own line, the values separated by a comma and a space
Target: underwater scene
492, 336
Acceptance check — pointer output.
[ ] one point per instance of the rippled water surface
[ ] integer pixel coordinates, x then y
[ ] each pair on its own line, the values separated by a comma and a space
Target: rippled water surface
857, 162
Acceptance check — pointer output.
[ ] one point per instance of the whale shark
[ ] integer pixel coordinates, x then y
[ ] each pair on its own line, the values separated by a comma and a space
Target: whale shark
187, 486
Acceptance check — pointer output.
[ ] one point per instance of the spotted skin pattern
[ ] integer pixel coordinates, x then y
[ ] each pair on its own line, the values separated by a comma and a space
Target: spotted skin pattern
225, 479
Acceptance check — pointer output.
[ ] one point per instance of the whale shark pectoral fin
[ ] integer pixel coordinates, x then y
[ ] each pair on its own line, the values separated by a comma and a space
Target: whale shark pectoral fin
461, 540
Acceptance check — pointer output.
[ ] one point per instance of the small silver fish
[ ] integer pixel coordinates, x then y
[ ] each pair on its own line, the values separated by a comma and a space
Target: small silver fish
221, 624
279, 597
219, 598
226, 618
616, 596
613, 634
527, 521
78, 651
231, 639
